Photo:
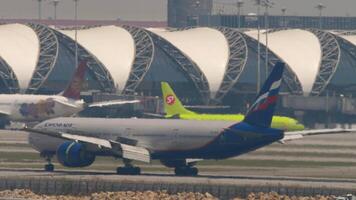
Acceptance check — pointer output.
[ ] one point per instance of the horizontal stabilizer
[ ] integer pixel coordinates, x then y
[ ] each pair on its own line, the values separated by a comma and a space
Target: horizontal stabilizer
154, 115
4, 113
295, 135
288, 138
113, 103
65, 103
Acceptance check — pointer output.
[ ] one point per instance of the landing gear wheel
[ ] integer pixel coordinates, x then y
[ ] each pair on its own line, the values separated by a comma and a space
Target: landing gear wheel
186, 171
128, 170
194, 171
49, 168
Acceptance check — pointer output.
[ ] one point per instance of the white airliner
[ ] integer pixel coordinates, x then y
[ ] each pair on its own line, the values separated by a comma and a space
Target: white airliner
176, 143
35, 108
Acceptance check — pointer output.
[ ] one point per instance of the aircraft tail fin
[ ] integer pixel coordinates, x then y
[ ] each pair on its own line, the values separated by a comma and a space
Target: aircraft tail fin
172, 104
262, 110
75, 86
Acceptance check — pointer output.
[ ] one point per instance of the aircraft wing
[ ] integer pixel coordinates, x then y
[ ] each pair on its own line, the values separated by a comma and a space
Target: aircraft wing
154, 115
4, 113
294, 135
112, 103
126, 151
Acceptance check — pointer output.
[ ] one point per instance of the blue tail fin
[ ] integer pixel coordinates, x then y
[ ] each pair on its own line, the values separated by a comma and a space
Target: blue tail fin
262, 110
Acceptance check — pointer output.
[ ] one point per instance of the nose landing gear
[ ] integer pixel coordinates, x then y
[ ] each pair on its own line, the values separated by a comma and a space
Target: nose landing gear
49, 167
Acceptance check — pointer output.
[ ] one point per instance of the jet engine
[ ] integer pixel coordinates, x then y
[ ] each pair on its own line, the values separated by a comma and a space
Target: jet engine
74, 154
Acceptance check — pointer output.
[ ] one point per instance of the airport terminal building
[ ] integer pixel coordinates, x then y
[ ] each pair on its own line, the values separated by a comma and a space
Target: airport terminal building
216, 65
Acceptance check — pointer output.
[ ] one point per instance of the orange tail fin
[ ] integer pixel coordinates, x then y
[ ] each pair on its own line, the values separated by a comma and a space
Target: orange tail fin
75, 86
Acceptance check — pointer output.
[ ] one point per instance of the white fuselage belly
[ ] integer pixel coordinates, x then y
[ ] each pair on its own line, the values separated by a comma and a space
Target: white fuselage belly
25, 108
153, 134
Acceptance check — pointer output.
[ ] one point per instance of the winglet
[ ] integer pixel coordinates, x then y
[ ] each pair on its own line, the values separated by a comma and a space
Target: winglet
172, 105
262, 110
73, 89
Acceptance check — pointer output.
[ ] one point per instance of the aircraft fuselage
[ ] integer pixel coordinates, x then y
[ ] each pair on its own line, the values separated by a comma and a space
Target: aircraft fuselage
165, 139
26, 108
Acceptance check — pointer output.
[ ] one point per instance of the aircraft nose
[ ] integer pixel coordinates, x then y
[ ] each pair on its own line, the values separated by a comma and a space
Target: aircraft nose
44, 143
32, 140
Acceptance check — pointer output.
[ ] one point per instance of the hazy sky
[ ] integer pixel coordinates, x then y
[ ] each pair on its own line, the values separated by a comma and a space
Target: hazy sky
306, 7
156, 9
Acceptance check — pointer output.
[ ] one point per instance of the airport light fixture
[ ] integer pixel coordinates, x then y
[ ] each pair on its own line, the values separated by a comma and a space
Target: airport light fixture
39, 9
197, 6
239, 5
320, 7
55, 5
267, 4
284, 10
258, 5
76, 31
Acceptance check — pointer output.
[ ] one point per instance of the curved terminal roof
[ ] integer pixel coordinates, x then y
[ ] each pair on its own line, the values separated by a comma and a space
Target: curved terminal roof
350, 38
20, 49
300, 49
113, 46
207, 47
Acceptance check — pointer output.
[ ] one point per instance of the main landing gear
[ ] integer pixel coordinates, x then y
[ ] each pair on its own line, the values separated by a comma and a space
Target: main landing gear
128, 169
181, 167
49, 167
186, 171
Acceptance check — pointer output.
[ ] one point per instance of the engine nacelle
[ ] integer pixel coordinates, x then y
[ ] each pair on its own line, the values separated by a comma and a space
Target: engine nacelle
73, 154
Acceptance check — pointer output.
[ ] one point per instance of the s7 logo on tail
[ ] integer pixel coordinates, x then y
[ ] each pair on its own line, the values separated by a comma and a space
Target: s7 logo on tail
170, 100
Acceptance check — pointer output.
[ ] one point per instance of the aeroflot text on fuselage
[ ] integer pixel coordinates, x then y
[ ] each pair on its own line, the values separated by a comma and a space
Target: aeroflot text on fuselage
58, 125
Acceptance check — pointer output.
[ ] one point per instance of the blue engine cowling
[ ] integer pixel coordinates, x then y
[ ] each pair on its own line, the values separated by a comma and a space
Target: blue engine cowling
73, 154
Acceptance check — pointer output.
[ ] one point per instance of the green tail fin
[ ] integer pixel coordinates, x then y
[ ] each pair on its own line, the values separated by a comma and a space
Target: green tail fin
172, 105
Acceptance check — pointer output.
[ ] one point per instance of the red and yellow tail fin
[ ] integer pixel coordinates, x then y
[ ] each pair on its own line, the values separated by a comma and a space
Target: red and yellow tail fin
75, 86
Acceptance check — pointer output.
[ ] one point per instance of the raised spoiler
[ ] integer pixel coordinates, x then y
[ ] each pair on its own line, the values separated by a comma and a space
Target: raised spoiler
113, 103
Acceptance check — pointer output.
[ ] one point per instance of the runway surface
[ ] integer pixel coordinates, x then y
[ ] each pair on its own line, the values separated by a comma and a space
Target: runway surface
203, 178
